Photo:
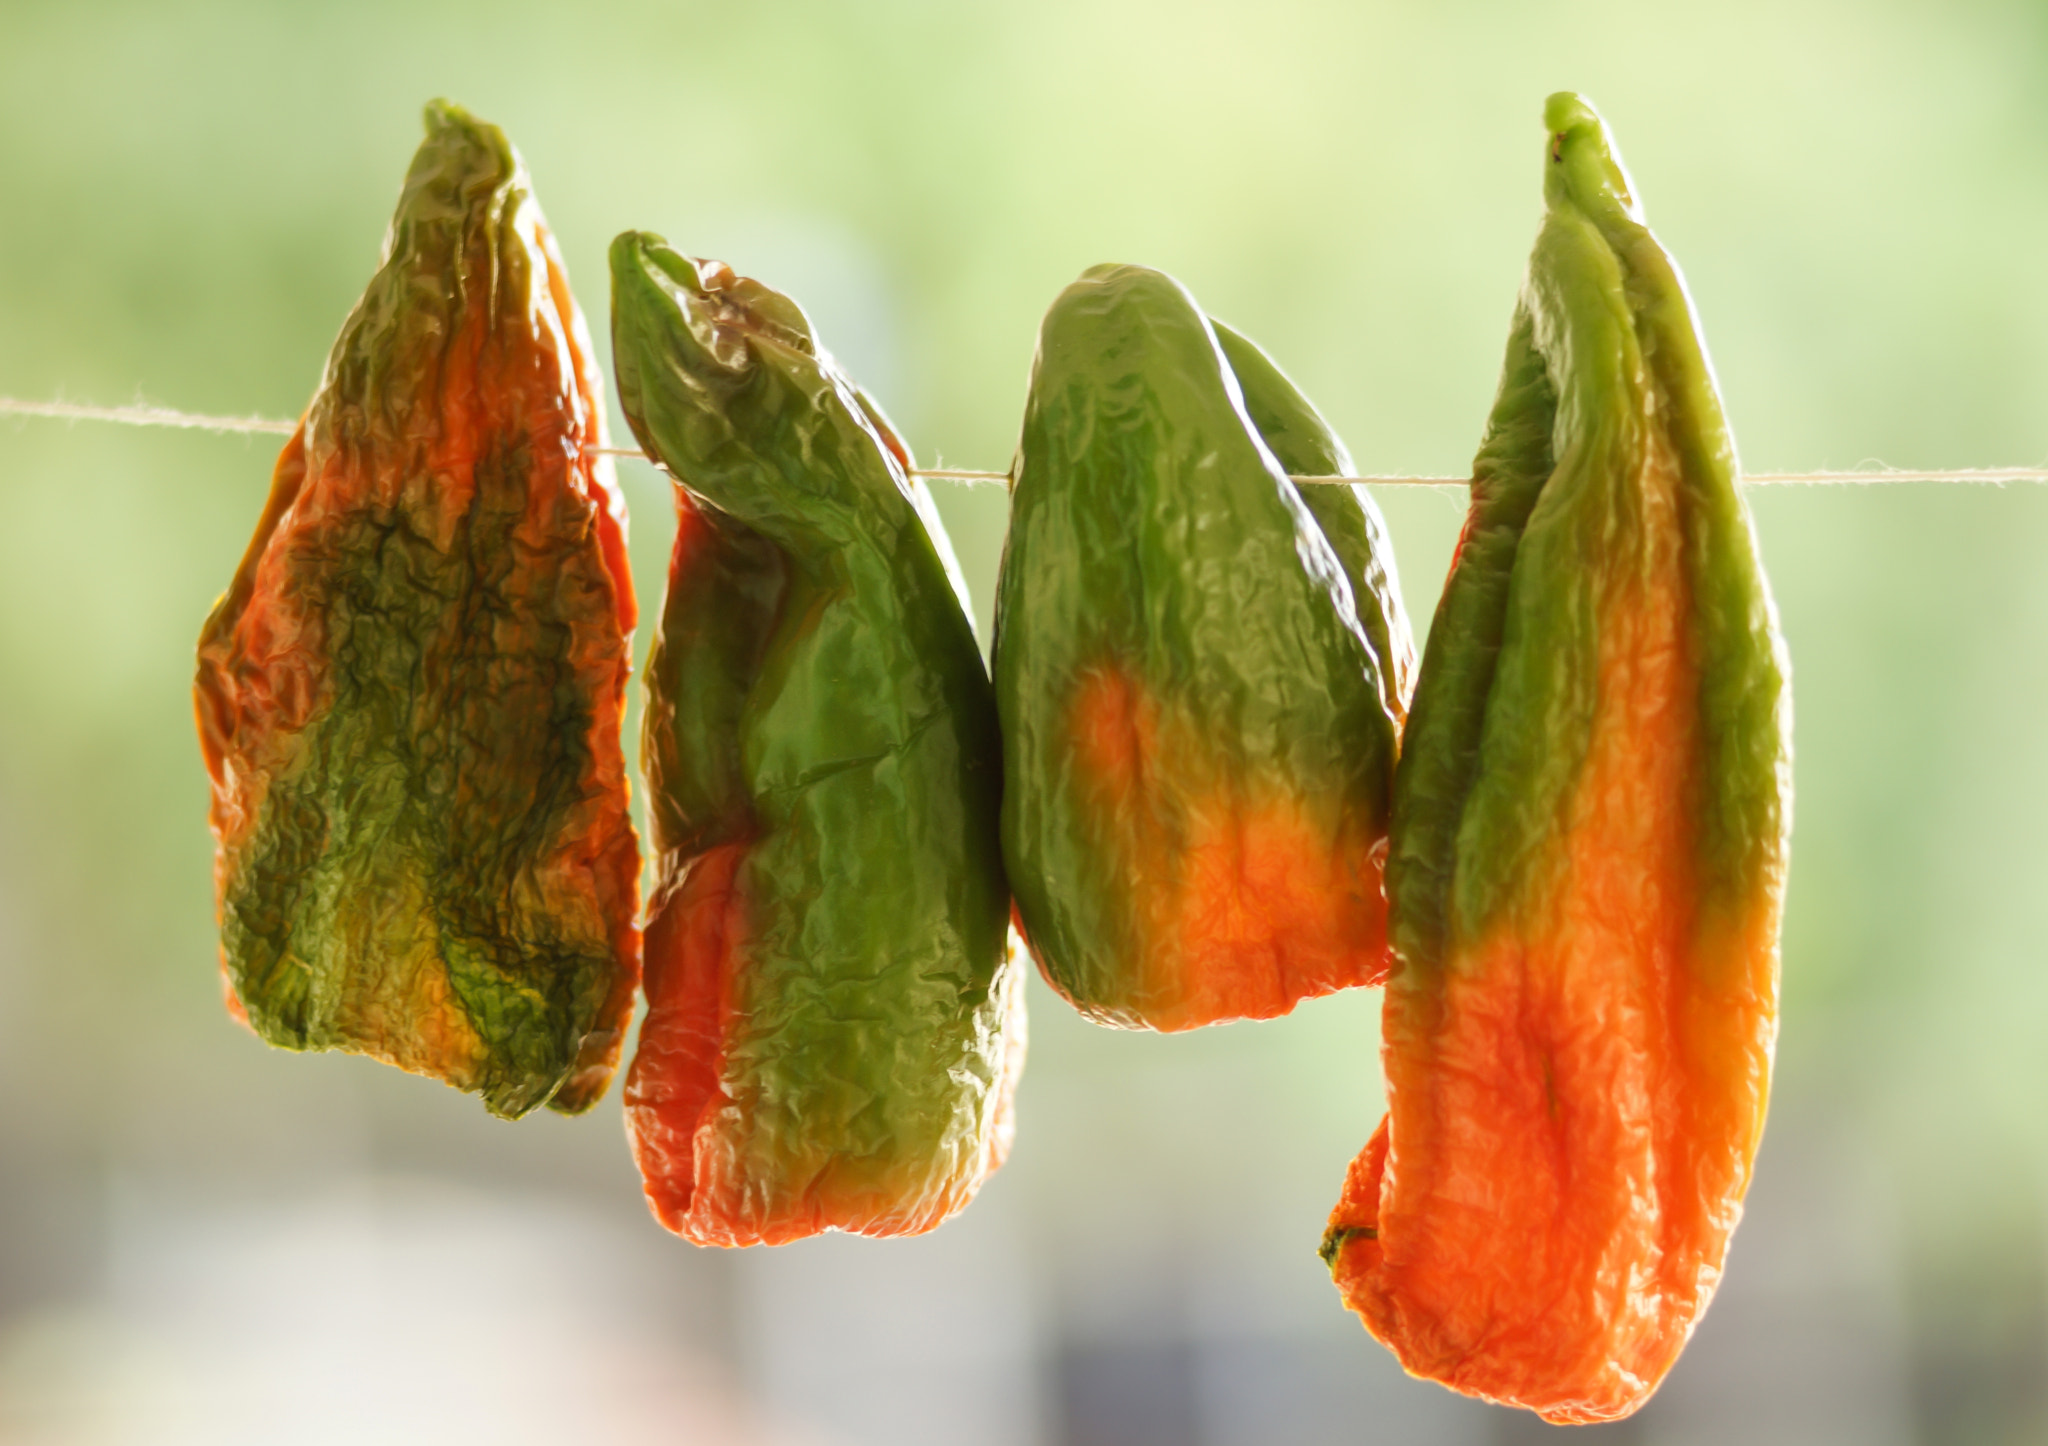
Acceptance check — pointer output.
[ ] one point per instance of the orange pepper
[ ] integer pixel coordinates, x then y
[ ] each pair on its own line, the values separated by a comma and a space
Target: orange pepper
1587, 857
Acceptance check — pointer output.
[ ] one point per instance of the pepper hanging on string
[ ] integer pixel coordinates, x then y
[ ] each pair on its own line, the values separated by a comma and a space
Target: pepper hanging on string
1588, 855
1199, 712
409, 699
835, 1025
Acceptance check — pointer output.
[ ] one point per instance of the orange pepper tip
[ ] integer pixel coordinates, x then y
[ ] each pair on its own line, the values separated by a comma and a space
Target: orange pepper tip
668, 1197
1356, 1216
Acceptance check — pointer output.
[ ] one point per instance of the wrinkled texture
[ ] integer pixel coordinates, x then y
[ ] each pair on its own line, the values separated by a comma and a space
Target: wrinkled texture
1306, 446
410, 698
835, 1024
1198, 733
1588, 856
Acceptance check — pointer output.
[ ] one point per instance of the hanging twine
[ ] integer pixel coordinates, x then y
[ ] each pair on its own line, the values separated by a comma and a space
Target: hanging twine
1985, 476
141, 416
144, 417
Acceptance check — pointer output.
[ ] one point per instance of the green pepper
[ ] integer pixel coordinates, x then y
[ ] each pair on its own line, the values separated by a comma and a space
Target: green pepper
835, 1024
1588, 855
1199, 735
409, 699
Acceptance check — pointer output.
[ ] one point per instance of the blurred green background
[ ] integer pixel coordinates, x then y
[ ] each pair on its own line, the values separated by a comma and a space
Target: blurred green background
204, 1241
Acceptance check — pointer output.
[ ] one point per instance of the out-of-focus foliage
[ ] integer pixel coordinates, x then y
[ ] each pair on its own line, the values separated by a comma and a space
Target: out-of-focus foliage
191, 195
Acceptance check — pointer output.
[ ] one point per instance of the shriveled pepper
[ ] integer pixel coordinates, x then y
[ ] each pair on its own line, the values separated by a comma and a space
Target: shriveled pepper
1588, 855
409, 699
834, 1025
1199, 735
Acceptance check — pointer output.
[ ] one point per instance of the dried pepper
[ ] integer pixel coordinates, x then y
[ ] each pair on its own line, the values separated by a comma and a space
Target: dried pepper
835, 1024
1199, 734
1588, 855
409, 699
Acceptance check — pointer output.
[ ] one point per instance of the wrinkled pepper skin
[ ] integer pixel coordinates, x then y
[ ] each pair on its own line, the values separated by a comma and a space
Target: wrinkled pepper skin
1198, 734
410, 697
1306, 446
835, 1022
1591, 822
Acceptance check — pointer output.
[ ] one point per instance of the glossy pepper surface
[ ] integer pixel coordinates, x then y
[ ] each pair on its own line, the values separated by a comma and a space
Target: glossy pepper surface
834, 1023
409, 699
1588, 855
1199, 734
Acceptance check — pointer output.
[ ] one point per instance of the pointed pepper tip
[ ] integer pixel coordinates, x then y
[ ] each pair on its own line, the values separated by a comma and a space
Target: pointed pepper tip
1568, 111
1584, 163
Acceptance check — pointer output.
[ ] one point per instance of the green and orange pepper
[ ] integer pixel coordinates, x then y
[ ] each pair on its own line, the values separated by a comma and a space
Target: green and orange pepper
1588, 855
409, 699
1199, 712
835, 1023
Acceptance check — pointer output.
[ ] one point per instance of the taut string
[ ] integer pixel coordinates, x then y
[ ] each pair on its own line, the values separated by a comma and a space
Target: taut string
142, 416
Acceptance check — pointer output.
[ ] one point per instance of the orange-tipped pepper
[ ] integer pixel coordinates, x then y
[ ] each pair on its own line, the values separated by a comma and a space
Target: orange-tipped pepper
1199, 684
1587, 856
